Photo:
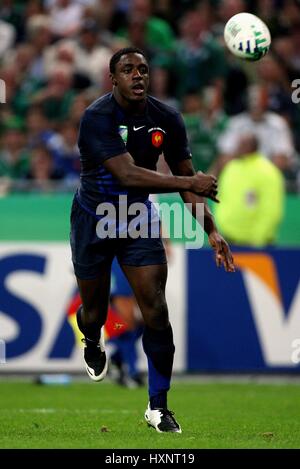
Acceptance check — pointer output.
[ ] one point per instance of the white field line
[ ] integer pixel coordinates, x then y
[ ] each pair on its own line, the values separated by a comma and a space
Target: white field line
66, 411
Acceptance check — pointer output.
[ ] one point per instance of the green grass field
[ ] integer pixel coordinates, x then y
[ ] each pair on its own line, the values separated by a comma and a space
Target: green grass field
92, 415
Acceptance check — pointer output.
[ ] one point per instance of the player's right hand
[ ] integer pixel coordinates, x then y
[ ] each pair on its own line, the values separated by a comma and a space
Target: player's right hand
205, 185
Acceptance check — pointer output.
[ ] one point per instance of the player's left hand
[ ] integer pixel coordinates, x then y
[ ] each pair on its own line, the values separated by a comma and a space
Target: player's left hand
222, 251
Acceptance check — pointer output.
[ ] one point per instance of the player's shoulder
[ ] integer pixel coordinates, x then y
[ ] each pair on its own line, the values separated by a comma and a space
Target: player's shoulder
104, 105
275, 119
156, 106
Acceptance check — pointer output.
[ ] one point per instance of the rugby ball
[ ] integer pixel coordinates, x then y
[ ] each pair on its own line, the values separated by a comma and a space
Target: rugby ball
247, 36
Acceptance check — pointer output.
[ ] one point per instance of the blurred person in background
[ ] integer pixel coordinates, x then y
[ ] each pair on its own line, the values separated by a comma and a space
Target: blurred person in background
87, 53
7, 37
235, 79
57, 96
92, 54
11, 13
286, 47
273, 75
65, 17
205, 121
27, 84
225, 9
136, 34
160, 86
156, 33
229, 8
40, 37
42, 173
79, 104
67, 153
235, 85
198, 59
9, 75
270, 12
39, 129
14, 156
287, 53
272, 131
289, 14
251, 189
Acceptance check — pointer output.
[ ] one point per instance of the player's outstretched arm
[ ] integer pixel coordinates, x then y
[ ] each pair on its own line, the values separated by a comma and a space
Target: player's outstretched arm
124, 169
222, 251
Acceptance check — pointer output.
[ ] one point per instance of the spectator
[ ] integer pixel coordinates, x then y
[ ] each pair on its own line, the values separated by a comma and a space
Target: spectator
272, 131
287, 49
251, 189
42, 173
65, 18
40, 37
91, 54
39, 130
7, 37
67, 153
86, 54
159, 36
160, 86
274, 77
79, 104
13, 12
9, 76
205, 121
199, 60
14, 159
27, 83
57, 97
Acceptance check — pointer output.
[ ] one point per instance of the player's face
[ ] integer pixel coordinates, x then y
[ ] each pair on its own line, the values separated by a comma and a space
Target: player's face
131, 77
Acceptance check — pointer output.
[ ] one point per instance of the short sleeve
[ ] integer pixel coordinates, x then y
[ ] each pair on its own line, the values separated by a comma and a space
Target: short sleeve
99, 138
176, 147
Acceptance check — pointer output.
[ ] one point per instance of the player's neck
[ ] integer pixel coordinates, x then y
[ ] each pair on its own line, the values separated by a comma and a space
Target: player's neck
132, 107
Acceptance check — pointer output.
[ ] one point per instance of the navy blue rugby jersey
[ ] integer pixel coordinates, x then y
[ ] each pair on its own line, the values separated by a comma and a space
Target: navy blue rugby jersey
106, 130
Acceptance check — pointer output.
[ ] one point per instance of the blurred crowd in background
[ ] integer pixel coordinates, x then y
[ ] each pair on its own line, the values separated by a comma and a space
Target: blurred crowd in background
54, 57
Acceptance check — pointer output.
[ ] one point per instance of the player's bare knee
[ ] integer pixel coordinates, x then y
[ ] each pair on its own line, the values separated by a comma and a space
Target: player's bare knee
157, 317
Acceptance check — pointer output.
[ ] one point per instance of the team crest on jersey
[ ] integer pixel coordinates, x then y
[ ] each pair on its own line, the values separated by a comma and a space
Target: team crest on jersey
157, 138
123, 132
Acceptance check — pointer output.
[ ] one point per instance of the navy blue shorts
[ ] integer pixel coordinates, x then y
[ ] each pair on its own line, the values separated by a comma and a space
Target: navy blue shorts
89, 252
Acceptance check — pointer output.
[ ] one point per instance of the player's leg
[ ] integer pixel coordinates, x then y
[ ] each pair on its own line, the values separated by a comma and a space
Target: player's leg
91, 317
95, 299
148, 283
91, 259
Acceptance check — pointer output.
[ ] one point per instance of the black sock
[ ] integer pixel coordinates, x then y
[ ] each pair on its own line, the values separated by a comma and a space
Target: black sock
159, 348
89, 332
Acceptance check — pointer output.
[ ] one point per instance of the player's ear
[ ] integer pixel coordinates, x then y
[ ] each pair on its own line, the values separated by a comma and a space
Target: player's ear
113, 80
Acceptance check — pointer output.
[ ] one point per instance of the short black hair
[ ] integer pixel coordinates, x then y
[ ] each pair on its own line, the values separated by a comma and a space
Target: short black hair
126, 50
